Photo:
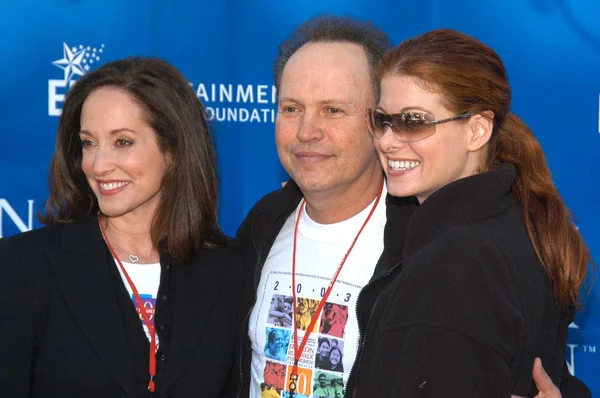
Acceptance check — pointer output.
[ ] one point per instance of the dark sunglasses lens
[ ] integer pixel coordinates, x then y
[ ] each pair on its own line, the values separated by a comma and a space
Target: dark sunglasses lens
409, 130
413, 125
405, 130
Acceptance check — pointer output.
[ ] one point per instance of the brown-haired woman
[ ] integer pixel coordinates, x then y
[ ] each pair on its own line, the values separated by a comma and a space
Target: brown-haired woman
131, 219
491, 263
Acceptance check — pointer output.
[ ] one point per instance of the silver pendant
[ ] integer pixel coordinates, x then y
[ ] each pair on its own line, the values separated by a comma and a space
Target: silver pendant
134, 259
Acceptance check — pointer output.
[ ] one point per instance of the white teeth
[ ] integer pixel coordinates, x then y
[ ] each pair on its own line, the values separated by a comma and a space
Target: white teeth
402, 165
112, 185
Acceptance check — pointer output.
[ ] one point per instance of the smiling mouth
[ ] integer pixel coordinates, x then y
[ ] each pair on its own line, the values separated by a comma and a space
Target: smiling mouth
109, 186
403, 165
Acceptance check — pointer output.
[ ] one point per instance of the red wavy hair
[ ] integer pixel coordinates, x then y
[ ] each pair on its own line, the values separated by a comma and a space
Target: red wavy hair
471, 77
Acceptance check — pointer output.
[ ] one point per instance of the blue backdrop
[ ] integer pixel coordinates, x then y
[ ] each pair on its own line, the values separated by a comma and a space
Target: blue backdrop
225, 48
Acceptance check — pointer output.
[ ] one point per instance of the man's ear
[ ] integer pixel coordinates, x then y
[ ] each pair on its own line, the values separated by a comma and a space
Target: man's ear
481, 126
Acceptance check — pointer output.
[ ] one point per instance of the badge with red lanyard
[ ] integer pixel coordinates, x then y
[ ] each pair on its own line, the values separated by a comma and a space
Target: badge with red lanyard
299, 349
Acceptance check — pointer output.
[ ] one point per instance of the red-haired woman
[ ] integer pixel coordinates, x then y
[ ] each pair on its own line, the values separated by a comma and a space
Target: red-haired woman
491, 263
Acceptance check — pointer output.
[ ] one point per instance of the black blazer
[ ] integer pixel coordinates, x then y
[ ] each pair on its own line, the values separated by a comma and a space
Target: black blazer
63, 335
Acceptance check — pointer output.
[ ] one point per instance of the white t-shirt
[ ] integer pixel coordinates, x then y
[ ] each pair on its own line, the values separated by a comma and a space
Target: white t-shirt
330, 351
146, 278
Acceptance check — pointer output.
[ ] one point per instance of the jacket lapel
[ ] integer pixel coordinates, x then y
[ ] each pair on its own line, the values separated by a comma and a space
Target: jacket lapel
81, 269
197, 290
398, 214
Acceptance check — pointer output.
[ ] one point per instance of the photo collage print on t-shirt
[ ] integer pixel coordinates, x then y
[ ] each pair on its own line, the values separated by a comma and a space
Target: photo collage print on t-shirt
320, 369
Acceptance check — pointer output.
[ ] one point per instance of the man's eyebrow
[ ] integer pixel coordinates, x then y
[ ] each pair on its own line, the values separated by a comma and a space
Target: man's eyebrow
331, 100
335, 101
287, 99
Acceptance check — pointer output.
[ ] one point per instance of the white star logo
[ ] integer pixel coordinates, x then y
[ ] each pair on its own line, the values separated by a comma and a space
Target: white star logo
71, 62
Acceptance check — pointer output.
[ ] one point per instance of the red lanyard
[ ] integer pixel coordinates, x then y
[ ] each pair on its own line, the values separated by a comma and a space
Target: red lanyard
298, 350
140, 304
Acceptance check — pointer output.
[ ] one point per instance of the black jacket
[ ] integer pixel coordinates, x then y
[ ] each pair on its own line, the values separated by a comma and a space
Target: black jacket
469, 308
387, 365
69, 328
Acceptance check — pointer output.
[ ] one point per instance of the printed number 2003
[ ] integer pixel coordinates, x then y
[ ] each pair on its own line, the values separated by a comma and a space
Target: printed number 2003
323, 290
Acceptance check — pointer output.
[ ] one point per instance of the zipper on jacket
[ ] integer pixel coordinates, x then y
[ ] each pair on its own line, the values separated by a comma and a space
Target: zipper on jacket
354, 372
247, 317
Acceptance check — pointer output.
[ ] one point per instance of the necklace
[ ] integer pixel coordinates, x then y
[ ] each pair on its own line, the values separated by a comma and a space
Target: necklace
132, 257
299, 349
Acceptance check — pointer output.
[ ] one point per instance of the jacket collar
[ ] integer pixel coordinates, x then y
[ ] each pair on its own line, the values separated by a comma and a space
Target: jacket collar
283, 203
269, 220
465, 201
398, 213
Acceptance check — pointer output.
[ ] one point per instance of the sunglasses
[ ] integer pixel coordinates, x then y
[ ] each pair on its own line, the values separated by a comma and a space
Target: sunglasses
406, 126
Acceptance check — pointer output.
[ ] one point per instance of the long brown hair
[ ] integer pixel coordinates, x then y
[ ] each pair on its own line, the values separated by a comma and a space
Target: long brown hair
186, 217
471, 77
